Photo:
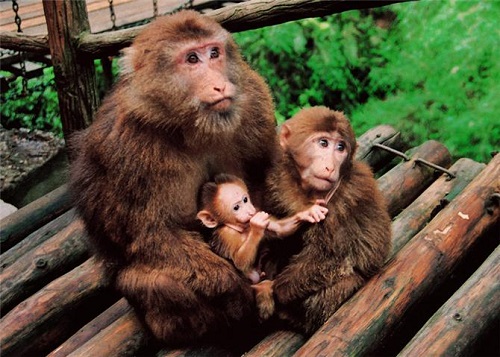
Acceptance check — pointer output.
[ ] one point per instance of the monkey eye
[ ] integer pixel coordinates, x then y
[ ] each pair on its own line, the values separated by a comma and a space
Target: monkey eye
323, 143
214, 52
341, 146
236, 207
192, 58
245, 199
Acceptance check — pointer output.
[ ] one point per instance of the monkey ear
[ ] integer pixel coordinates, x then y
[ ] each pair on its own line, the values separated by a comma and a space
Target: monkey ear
285, 132
125, 62
207, 219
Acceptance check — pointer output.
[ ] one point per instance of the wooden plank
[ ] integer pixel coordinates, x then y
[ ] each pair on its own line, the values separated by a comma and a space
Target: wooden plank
24, 221
61, 253
361, 324
456, 327
53, 312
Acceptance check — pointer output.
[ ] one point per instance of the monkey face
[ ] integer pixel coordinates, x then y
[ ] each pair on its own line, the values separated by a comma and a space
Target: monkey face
319, 160
234, 202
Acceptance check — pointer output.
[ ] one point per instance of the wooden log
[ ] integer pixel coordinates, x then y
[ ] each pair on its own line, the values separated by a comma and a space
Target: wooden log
361, 324
116, 311
48, 317
382, 134
456, 327
412, 177
124, 337
36, 238
29, 218
74, 73
433, 200
278, 344
58, 255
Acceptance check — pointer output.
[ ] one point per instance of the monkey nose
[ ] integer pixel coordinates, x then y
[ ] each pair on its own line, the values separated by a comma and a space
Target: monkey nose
220, 88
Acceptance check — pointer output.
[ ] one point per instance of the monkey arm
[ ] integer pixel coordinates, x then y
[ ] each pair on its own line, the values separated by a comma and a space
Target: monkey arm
287, 226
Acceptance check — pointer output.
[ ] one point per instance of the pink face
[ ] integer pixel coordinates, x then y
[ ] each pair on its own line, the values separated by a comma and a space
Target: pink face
236, 202
319, 160
205, 67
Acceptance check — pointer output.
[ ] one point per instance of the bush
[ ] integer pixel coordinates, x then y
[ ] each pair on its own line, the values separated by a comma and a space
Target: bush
433, 73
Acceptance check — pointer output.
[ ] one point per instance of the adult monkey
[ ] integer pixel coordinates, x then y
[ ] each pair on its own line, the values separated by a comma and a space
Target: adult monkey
186, 108
329, 260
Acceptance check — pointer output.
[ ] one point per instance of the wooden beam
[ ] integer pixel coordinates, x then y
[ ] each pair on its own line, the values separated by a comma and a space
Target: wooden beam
237, 17
74, 72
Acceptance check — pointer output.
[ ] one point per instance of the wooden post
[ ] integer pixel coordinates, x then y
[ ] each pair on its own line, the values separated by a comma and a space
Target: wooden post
74, 72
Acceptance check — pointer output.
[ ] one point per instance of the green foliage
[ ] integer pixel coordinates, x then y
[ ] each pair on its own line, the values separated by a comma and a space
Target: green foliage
316, 61
433, 74
38, 108
443, 76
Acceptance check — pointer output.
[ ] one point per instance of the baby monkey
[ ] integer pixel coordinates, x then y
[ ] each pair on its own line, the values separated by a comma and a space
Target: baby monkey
239, 228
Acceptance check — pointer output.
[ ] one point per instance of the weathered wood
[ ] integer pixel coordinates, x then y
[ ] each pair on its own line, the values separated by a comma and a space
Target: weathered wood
412, 177
239, 17
124, 337
29, 218
360, 325
116, 311
58, 255
455, 328
278, 344
382, 134
433, 200
47, 317
36, 238
74, 72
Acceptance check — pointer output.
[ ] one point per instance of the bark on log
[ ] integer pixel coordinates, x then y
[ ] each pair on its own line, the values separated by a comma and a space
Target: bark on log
74, 72
29, 218
238, 17
46, 318
432, 201
455, 328
412, 177
36, 238
278, 344
360, 325
124, 337
58, 255
382, 134
116, 311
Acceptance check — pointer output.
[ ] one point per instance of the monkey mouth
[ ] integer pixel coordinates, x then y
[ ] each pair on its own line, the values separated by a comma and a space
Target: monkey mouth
221, 104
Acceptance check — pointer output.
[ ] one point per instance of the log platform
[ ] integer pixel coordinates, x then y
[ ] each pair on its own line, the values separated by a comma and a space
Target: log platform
438, 293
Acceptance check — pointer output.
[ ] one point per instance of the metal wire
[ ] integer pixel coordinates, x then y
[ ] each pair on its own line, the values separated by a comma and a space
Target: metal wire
407, 158
112, 15
22, 57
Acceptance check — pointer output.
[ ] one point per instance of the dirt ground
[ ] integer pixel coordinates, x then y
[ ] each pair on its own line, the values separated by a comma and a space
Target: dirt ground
23, 154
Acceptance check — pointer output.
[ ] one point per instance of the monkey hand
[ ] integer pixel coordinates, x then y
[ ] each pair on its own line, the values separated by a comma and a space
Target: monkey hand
314, 214
264, 299
259, 222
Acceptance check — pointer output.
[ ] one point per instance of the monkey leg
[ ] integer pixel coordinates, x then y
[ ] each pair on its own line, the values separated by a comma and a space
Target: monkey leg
177, 312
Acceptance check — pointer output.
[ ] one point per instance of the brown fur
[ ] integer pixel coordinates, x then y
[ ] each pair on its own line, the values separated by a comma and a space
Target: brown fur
333, 258
140, 166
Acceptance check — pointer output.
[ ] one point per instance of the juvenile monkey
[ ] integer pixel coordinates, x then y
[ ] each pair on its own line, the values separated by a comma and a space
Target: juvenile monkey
239, 228
333, 259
